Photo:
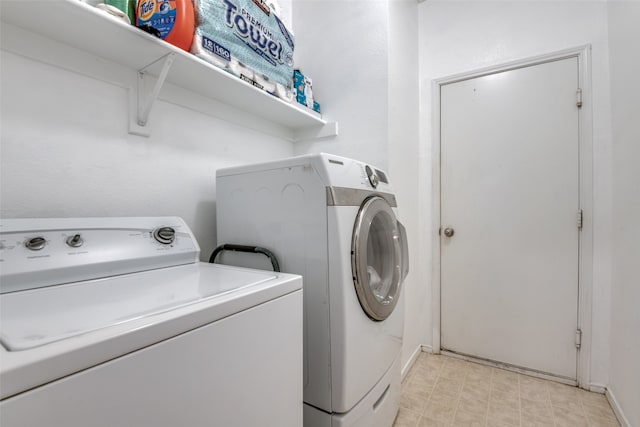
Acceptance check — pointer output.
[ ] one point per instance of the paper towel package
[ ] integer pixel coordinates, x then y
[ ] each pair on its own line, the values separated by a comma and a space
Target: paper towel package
298, 87
247, 39
303, 89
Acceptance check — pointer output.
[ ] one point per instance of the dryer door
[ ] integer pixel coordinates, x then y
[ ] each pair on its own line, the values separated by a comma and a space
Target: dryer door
376, 258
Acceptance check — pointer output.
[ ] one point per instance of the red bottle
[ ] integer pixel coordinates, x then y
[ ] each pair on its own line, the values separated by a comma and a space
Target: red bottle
171, 20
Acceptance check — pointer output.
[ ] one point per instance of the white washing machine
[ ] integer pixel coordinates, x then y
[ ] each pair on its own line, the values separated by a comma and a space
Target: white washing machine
114, 322
333, 221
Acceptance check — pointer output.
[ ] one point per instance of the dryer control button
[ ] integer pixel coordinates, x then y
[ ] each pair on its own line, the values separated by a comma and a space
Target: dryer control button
373, 178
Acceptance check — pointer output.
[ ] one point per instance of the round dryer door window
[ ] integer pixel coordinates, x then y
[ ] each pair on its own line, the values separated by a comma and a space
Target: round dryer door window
376, 258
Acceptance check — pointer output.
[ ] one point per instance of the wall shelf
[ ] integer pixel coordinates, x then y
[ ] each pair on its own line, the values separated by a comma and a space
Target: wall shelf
84, 27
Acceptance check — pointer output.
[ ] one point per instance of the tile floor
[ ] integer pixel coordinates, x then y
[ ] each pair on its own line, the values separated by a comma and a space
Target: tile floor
444, 391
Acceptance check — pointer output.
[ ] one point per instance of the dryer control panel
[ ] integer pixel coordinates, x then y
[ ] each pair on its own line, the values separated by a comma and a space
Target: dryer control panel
349, 173
375, 176
44, 252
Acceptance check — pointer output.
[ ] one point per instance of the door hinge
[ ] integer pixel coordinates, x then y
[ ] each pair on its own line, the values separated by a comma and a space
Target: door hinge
579, 98
579, 219
578, 338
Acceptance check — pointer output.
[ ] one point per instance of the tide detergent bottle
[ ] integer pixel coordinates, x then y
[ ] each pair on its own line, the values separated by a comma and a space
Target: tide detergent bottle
171, 20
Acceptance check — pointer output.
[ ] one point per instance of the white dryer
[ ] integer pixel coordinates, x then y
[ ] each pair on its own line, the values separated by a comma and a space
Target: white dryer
332, 220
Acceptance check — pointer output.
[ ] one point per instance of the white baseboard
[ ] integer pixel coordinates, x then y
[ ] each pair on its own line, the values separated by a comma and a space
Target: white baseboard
597, 388
407, 366
414, 356
624, 422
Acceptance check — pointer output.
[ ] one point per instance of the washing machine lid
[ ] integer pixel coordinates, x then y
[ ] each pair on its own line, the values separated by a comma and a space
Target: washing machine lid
378, 258
41, 316
59, 330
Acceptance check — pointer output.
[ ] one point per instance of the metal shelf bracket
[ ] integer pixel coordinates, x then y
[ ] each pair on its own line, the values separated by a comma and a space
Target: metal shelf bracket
144, 105
144, 100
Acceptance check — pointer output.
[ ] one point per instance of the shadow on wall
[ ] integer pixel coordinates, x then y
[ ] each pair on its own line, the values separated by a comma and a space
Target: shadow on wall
205, 219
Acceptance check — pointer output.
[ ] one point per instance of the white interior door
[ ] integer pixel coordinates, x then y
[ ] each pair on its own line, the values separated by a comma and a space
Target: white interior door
509, 192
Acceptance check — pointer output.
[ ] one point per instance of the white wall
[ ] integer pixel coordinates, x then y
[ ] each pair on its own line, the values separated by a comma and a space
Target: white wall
65, 150
403, 149
345, 54
624, 377
460, 36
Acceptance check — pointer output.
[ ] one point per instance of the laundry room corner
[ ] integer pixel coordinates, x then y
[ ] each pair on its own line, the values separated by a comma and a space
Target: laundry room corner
382, 213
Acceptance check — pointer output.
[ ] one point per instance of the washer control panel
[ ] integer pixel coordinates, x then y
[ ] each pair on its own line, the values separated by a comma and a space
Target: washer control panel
46, 252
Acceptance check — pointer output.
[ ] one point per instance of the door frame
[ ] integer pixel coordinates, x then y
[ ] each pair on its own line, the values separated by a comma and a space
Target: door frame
585, 150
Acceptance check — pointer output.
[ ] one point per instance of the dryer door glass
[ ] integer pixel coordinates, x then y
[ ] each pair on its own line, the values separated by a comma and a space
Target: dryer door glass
376, 258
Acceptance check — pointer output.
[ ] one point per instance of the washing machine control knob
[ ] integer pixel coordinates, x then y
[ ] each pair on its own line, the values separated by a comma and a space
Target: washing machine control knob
165, 235
75, 241
373, 178
35, 243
